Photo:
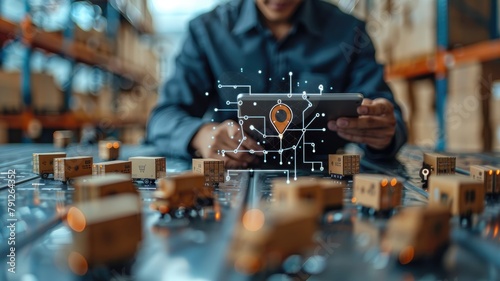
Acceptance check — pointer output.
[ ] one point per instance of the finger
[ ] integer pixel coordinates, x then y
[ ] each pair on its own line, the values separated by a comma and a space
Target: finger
378, 106
364, 122
377, 143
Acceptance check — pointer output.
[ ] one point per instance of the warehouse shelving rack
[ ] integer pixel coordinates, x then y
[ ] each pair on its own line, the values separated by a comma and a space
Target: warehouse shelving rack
77, 52
437, 65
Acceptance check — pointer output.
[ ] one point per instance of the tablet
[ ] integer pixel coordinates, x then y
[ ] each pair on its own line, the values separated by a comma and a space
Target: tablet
276, 114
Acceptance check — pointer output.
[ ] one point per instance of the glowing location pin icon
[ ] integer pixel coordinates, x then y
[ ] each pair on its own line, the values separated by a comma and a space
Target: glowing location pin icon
281, 116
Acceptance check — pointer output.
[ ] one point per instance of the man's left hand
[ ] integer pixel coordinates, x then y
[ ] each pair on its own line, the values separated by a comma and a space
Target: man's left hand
375, 126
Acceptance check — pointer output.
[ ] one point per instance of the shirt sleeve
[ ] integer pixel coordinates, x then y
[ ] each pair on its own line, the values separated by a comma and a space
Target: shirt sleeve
182, 100
367, 77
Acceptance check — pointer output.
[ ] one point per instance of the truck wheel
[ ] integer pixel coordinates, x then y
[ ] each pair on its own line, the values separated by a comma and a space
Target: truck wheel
146, 181
45, 175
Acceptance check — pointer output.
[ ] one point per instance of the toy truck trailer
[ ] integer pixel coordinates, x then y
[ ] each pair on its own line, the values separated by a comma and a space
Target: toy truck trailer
148, 169
43, 163
418, 233
464, 195
436, 164
212, 169
90, 188
496, 182
376, 193
68, 168
109, 150
117, 166
342, 166
105, 231
185, 190
264, 241
486, 175
62, 138
324, 194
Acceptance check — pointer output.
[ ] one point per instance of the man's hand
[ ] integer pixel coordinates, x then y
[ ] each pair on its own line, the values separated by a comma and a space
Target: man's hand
213, 138
375, 126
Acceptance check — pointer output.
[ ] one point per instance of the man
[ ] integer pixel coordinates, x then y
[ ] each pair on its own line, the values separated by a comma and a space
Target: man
310, 38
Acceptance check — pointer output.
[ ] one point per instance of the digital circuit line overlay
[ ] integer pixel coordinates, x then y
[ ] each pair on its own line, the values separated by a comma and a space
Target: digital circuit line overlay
300, 144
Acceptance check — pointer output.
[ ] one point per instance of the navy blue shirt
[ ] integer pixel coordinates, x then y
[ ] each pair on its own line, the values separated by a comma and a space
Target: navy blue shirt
230, 45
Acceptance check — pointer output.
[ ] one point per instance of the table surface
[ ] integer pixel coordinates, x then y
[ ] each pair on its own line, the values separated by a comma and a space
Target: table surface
347, 243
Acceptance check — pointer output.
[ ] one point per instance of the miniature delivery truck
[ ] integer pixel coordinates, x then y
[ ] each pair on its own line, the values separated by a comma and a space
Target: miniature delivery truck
436, 164
105, 231
463, 195
43, 163
418, 233
265, 240
185, 191
148, 169
117, 166
62, 138
68, 168
342, 166
489, 176
109, 150
90, 187
212, 169
377, 193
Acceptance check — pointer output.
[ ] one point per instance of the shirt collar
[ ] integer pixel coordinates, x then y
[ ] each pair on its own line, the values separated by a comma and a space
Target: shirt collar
249, 17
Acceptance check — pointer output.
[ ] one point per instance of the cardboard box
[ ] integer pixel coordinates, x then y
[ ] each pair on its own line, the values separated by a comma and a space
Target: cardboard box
10, 87
303, 189
43, 163
462, 194
99, 226
117, 166
69, 168
109, 150
377, 191
91, 188
46, 96
343, 164
332, 193
148, 167
440, 164
212, 169
62, 138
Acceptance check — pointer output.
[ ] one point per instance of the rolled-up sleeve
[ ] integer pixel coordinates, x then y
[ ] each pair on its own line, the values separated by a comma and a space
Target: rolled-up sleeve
182, 100
367, 77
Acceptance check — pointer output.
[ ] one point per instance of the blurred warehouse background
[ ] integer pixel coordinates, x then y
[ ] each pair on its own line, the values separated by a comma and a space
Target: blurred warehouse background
94, 67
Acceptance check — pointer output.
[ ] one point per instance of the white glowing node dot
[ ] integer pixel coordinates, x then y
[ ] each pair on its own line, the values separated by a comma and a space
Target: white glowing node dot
252, 128
245, 117
260, 71
321, 169
265, 161
331, 88
322, 114
264, 136
295, 178
232, 137
254, 104
228, 178
240, 102
220, 86
244, 138
294, 147
281, 163
322, 141
324, 129
280, 151
290, 73
320, 87
241, 69
228, 102
288, 181
235, 87
212, 120
252, 151
312, 169
314, 151
213, 137
274, 157
265, 152
304, 130
235, 151
209, 146
213, 128
216, 109
289, 163
206, 94
313, 145
317, 114
223, 151
282, 78
305, 81
258, 143
241, 123
270, 79
263, 142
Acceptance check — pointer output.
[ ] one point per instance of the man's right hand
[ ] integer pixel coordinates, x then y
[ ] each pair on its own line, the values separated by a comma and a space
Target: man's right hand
212, 138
